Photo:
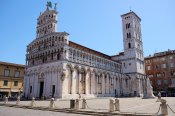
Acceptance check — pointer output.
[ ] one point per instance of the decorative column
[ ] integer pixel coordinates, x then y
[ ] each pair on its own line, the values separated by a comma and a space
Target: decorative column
115, 85
65, 83
103, 85
70, 81
93, 83
138, 86
74, 81
87, 83
77, 81
96, 84
107, 84
80, 84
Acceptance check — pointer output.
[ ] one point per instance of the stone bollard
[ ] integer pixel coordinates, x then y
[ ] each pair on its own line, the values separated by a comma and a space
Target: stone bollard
51, 106
163, 105
32, 102
6, 100
84, 103
18, 100
111, 105
117, 105
42, 98
77, 104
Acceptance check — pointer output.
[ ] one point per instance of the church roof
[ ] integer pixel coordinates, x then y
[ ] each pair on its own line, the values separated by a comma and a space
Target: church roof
91, 51
131, 12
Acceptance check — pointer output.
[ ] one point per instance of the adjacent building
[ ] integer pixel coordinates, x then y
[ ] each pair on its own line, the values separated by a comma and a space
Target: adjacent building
57, 67
160, 68
11, 79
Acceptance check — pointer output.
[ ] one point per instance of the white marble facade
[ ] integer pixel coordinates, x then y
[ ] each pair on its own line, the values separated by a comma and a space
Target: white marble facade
57, 67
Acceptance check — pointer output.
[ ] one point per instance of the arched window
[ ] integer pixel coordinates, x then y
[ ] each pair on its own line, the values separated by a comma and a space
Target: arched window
43, 60
32, 62
138, 46
128, 35
129, 45
127, 25
58, 56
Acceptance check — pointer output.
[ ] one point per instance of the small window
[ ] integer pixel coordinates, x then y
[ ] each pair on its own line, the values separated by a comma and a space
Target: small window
171, 57
5, 83
158, 82
148, 67
30, 89
148, 61
17, 73
129, 45
15, 83
162, 59
138, 46
163, 74
156, 66
127, 25
158, 75
163, 65
128, 35
165, 82
171, 65
150, 76
124, 64
6, 72
172, 73
126, 82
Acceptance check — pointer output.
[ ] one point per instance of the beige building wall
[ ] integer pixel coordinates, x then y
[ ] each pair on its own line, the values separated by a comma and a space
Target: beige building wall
11, 79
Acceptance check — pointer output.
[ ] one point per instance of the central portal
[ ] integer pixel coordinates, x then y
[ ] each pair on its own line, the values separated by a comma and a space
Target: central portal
41, 89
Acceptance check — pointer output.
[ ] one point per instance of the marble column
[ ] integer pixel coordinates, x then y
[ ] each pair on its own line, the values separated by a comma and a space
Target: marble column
107, 84
69, 81
65, 84
93, 83
80, 83
74, 81
138, 87
103, 85
87, 83
96, 84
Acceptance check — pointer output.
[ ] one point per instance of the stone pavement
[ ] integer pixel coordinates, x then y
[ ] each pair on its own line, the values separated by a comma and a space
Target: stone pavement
127, 105
9, 111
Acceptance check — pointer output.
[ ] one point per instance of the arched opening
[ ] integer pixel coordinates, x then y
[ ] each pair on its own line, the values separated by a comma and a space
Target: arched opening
129, 45
58, 56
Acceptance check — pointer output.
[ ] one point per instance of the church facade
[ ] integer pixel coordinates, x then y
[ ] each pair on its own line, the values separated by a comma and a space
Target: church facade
57, 67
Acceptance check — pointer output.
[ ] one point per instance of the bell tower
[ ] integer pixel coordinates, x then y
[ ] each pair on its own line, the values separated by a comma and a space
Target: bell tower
133, 46
47, 21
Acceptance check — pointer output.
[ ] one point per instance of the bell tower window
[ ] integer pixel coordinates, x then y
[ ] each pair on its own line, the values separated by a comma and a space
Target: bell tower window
128, 35
127, 25
129, 45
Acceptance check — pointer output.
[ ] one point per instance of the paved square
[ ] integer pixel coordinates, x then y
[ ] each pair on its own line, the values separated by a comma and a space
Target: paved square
133, 105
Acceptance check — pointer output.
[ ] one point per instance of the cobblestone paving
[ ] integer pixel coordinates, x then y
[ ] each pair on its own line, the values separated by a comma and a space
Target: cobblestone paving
137, 105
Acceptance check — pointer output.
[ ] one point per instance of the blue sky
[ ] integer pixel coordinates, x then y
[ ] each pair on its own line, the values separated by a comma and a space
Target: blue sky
93, 23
